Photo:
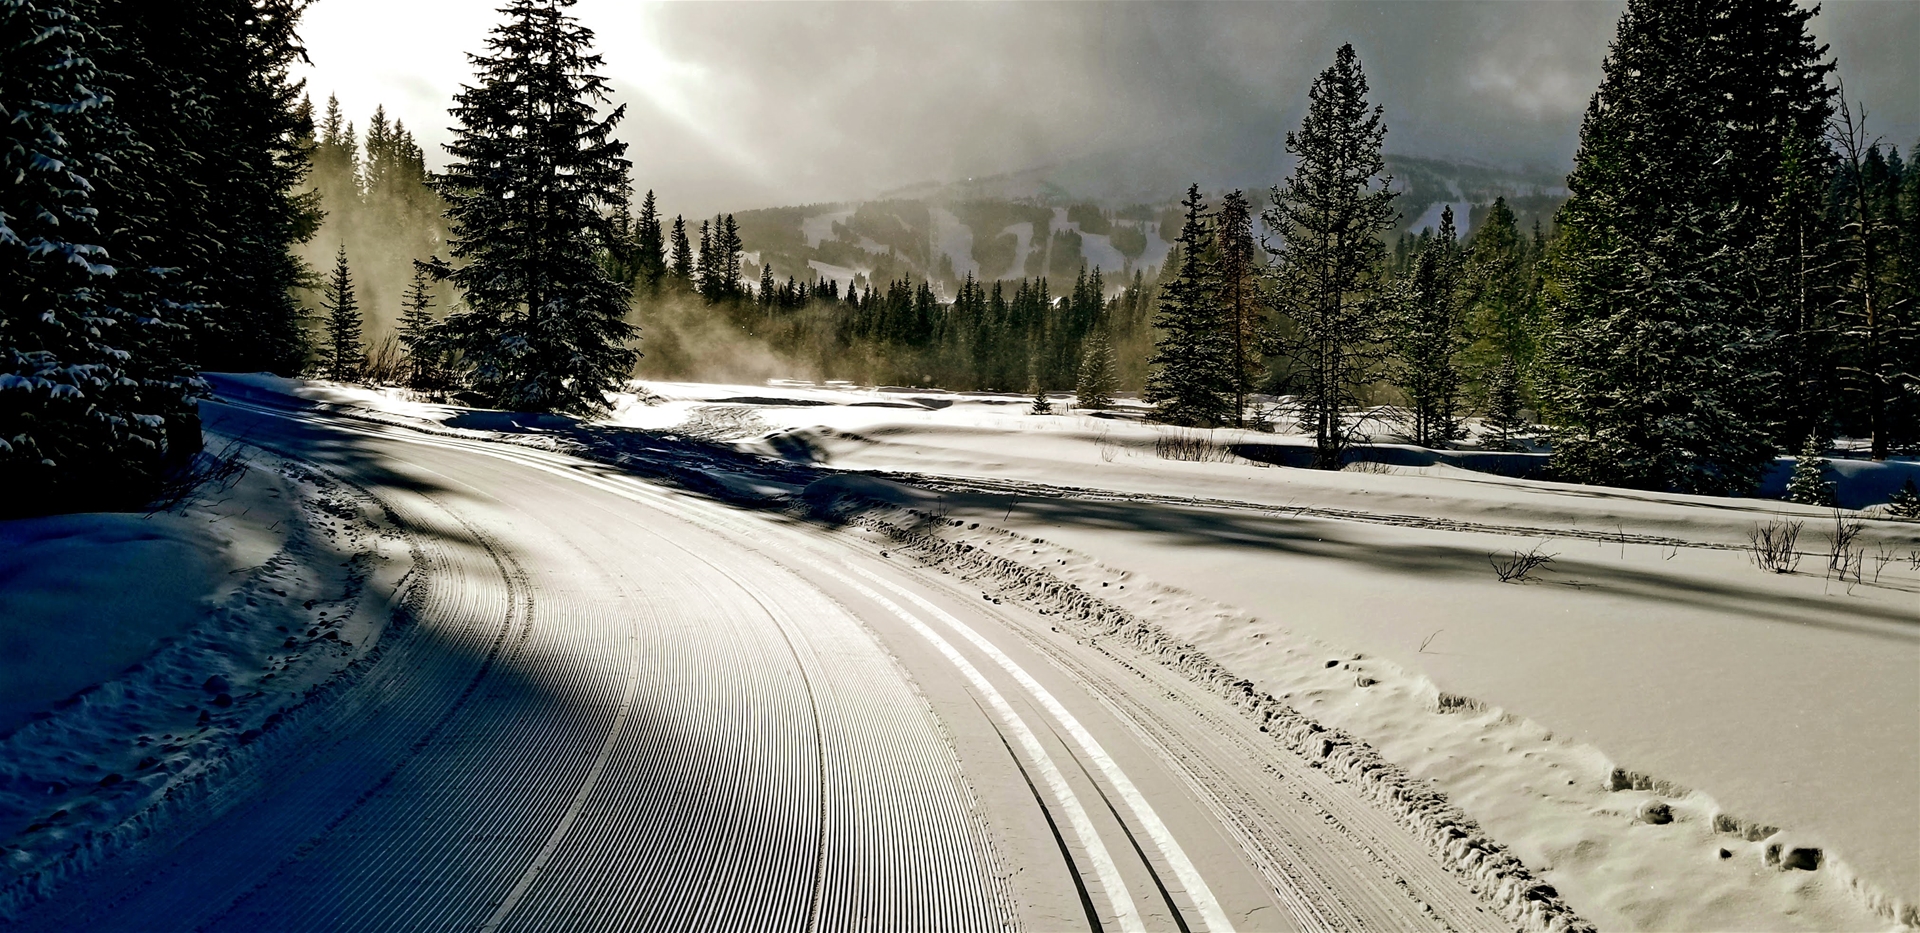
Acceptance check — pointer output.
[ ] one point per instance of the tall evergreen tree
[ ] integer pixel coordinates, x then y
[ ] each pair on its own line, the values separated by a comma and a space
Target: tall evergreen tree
1656, 371
720, 259
703, 264
336, 159
1496, 279
1330, 214
1099, 372
95, 401
213, 189
682, 269
1237, 278
535, 171
418, 332
1192, 379
1429, 336
1503, 405
1877, 337
651, 245
344, 356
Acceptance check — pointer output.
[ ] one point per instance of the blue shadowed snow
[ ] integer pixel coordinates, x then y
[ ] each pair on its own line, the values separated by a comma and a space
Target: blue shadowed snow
1859, 483
83, 597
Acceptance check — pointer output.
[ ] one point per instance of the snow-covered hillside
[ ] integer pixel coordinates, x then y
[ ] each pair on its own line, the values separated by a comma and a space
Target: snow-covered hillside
948, 231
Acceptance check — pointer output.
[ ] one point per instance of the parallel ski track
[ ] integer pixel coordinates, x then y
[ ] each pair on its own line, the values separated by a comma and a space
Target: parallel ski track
772, 769
1297, 836
1041, 491
1334, 862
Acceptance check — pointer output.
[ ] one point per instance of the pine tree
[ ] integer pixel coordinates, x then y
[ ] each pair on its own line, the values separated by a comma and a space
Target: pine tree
1099, 373
1041, 404
1503, 405
1905, 501
1876, 327
336, 160
213, 188
1809, 484
418, 333
651, 245
1498, 293
534, 172
1429, 336
95, 400
703, 264
725, 269
379, 171
1237, 279
682, 253
1656, 372
344, 359
1330, 214
1192, 379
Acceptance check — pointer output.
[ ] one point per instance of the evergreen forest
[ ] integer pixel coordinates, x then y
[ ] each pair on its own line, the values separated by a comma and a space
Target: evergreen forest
1731, 274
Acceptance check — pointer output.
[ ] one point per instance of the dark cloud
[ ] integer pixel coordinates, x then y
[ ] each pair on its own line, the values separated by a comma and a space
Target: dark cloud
741, 105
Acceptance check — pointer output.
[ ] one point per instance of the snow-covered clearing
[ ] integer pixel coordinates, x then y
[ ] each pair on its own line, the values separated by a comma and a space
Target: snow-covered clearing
1096, 248
144, 655
953, 239
1651, 655
818, 228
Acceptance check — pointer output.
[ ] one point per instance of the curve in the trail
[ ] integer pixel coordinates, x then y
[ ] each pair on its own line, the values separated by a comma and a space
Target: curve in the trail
617, 721
1119, 899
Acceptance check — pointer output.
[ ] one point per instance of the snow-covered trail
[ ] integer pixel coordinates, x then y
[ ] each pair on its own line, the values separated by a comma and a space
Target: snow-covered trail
615, 706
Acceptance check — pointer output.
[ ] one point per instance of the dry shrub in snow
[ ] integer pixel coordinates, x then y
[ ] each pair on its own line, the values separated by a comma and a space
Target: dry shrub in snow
1190, 446
1843, 558
1773, 546
1516, 568
207, 473
385, 365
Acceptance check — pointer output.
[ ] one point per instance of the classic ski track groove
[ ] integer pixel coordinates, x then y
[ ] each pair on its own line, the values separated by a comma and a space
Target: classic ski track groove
1338, 826
1333, 861
1274, 836
527, 798
1407, 888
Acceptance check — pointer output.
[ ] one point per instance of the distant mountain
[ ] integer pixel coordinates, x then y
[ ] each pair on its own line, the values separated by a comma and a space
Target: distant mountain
1114, 210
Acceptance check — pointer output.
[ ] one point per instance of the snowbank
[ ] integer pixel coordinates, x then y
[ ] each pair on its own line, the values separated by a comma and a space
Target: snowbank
143, 655
84, 597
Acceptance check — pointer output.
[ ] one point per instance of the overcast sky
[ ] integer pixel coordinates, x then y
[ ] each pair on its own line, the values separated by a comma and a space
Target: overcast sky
733, 106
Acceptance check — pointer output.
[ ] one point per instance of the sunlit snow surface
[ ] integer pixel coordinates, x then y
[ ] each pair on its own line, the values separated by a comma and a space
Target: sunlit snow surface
1367, 598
